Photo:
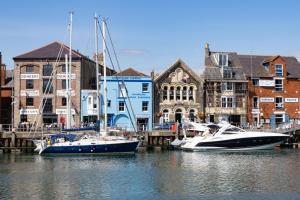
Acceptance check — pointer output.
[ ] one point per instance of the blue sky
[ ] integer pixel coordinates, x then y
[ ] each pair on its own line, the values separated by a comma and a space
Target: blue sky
153, 34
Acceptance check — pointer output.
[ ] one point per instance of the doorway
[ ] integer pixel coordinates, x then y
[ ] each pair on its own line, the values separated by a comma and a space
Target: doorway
178, 115
142, 124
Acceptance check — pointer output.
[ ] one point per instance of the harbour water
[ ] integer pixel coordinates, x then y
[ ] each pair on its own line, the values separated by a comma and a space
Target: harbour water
157, 175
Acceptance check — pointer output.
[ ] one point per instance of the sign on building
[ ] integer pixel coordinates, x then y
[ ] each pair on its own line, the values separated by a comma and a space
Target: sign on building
267, 99
29, 111
63, 76
62, 111
266, 83
291, 100
30, 76
30, 93
63, 93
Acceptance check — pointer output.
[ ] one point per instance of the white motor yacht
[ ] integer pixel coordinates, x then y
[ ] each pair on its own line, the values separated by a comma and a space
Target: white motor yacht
228, 137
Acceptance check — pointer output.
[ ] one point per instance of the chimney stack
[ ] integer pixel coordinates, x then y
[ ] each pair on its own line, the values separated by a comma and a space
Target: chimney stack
207, 51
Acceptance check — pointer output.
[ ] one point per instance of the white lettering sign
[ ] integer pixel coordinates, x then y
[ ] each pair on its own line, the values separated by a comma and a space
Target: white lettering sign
291, 100
92, 111
31, 111
62, 111
30, 76
266, 99
266, 83
63, 76
30, 93
63, 93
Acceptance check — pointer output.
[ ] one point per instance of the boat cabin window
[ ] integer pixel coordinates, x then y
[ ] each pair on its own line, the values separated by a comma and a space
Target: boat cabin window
233, 130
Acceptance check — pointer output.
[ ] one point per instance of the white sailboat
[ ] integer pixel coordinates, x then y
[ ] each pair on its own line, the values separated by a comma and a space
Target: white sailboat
87, 144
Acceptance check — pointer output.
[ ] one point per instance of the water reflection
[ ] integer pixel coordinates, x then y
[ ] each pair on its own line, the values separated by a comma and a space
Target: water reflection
172, 174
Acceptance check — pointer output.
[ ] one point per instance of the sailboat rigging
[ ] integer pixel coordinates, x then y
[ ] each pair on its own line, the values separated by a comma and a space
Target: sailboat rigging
101, 143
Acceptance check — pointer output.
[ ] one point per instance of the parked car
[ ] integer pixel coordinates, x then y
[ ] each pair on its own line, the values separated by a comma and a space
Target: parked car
164, 126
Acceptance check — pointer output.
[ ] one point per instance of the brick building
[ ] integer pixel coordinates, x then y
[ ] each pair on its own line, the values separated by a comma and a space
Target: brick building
40, 85
274, 89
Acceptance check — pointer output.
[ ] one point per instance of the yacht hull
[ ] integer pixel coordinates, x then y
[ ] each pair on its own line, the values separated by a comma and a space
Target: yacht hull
126, 147
237, 144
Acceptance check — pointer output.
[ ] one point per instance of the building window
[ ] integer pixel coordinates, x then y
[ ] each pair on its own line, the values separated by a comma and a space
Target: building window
29, 84
29, 101
64, 101
172, 93
255, 82
278, 85
47, 86
227, 102
278, 70
279, 102
223, 102
145, 106
184, 94
145, 87
123, 90
255, 102
165, 93
178, 93
108, 103
229, 86
227, 73
63, 84
47, 105
121, 106
47, 70
191, 94
29, 68
279, 118
166, 115
223, 60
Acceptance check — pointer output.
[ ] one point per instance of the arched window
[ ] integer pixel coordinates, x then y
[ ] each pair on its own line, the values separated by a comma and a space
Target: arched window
165, 93
184, 93
171, 93
191, 93
178, 93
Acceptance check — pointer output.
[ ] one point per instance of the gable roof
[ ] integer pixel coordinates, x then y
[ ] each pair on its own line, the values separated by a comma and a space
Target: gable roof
182, 64
130, 72
50, 51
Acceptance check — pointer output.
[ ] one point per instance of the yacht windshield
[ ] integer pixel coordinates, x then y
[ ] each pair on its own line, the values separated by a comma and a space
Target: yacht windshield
233, 130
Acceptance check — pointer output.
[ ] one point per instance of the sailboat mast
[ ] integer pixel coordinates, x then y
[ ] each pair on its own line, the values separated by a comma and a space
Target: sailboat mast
97, 68
104, 71
69, 88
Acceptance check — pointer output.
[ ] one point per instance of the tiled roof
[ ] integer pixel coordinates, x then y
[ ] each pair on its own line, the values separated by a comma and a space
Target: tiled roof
130, 72
248, 65
50, 51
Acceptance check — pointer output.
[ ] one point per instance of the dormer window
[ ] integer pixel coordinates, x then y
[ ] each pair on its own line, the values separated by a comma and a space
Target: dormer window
227, 73
279, 70
223, 59
266, 66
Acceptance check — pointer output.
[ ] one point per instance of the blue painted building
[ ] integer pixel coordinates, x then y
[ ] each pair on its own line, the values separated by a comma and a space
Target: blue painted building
127, 110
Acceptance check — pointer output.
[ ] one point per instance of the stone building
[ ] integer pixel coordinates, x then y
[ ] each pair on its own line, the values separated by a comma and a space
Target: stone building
177, 93
225, 88
40, 84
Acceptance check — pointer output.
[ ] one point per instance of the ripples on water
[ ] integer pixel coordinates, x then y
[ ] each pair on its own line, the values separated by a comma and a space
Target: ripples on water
165, 175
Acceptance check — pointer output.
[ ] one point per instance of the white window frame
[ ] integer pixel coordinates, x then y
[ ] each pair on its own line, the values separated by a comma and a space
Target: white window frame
226, 88
221, 57
276, 85
225, 103
279, 116
166, 116
279, 105
279, 71
122, 91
